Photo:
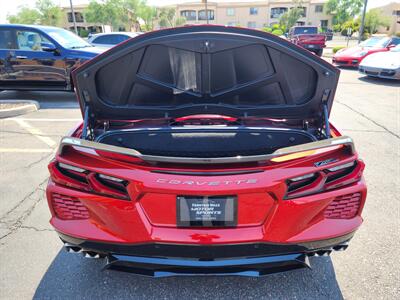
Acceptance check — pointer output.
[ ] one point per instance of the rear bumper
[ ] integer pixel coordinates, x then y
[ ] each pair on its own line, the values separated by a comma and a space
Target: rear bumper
346, 62
312, 47
248, 259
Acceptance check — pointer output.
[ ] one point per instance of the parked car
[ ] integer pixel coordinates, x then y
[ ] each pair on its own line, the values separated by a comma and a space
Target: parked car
110, 39
308, 38
382, 64
206, 150
329, 34
351, 57
40, 57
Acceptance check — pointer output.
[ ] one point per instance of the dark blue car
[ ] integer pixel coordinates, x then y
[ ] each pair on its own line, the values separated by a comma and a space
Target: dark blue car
40, 57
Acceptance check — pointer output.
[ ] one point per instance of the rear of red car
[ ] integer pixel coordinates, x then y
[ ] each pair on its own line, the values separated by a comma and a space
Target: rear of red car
308, 38
194, 160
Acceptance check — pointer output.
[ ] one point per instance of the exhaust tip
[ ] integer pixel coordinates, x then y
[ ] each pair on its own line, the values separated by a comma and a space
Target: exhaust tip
72, 248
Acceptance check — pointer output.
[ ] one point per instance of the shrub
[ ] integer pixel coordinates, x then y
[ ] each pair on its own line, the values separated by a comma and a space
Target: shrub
337, 48
397, 34
336, 27
83, 33
276, 27
277, 32
267, 29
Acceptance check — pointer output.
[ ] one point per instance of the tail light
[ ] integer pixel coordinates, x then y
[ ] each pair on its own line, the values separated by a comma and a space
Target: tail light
324, 180
88, 181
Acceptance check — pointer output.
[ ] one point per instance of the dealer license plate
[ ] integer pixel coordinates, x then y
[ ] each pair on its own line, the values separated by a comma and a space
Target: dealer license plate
206, 211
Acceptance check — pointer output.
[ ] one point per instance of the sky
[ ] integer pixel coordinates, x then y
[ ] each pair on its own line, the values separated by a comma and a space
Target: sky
11, 6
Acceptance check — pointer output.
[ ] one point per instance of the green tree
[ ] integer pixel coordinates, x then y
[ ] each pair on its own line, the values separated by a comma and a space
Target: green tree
50, 14
167, 17
289, 19
25, 15
374, 19
343, 10
121, 13
148, 14
45, 12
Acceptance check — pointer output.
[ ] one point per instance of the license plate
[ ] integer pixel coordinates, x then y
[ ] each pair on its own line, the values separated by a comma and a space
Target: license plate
310, 46
206, 211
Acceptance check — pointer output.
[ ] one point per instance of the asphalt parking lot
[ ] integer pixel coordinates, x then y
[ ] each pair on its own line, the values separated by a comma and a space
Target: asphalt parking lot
34, 265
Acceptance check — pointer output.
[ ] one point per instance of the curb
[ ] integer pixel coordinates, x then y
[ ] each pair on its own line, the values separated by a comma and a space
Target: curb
29, 106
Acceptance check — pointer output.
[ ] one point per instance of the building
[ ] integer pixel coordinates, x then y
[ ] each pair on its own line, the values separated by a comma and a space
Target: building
252, 14
391, 10
81, 24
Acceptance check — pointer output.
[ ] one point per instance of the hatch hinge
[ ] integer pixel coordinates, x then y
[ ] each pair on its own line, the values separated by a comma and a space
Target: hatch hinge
325, 122
87, 124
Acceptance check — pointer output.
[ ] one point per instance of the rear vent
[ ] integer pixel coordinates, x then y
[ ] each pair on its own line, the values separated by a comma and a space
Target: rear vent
69, 208
344, 207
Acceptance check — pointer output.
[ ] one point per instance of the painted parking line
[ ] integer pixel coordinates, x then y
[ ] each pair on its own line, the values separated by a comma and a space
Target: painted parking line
37, 133
42, 120
17, 150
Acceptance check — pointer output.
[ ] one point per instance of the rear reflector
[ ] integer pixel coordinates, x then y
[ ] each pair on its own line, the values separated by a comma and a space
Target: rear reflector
69, 208
344, 207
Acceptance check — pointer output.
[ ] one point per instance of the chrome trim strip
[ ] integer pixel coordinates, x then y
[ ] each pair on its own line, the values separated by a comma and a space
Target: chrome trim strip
71, 141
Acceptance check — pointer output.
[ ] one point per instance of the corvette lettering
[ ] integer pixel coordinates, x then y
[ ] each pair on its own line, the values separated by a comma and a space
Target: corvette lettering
205, 183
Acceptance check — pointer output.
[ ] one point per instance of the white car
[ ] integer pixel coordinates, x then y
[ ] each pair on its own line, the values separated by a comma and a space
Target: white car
110, 39
382, 64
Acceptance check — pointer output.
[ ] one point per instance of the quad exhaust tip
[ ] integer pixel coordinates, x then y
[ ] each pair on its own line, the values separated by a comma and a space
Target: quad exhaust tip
328, 251
76, 249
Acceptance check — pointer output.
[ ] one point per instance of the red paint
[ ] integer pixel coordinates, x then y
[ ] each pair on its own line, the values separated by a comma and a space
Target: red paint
148, 214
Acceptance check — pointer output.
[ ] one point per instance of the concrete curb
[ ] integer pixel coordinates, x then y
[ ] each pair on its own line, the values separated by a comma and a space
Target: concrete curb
27, 106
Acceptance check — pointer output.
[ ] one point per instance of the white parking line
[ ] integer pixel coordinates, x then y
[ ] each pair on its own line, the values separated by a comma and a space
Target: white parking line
36, 132
42, 120
16, 150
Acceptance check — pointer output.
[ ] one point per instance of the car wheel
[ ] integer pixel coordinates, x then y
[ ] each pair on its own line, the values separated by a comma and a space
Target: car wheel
319, 52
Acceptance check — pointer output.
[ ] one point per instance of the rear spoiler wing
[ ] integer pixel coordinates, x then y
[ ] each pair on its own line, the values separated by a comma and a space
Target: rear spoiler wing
299, 149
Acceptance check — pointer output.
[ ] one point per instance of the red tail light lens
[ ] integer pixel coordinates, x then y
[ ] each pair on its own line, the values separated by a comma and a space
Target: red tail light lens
328, 179
69, 208
88, 181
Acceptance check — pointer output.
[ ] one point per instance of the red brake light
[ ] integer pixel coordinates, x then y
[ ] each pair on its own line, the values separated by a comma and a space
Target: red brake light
324, 180
88, 181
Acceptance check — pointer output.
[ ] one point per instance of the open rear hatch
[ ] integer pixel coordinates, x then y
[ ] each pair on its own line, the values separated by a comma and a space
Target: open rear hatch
214, 70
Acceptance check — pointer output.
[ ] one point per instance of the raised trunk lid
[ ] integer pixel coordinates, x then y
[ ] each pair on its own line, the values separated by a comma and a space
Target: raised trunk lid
205, 70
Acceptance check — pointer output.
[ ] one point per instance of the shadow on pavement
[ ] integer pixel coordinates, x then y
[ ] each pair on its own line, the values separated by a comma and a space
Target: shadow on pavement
380, 81
46, 99
74, 277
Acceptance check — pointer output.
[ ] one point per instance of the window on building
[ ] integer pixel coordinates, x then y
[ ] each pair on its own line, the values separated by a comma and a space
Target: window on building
324, 24
277, 12
189, 15
78, 17
319, 8
253, 10
303, 11
230, 11
252, 24
202, 14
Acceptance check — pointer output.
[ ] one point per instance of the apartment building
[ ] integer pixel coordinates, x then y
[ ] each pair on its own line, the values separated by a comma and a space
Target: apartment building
81, 23
391, 10
252, 14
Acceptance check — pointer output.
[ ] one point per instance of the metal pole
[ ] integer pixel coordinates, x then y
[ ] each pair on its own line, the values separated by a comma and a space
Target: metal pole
73, 16
206, 11
360, 34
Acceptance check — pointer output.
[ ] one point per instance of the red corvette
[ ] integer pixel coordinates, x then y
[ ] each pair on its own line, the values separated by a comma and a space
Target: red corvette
206, 150
352, 57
